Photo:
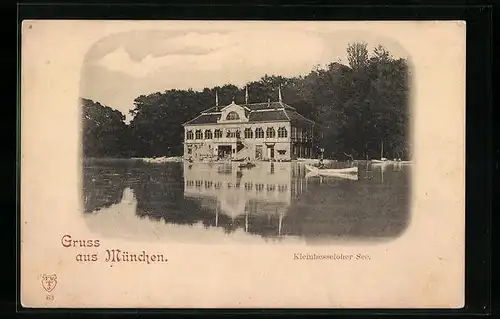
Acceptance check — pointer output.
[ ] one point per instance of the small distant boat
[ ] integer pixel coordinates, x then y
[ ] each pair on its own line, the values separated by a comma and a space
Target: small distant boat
383, 161
246, 165
332, 171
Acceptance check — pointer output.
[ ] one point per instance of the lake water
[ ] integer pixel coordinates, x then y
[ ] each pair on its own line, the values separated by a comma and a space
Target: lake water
272, 201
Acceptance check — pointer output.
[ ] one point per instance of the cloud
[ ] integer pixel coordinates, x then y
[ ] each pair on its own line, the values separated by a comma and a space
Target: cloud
274, 51
202, 41
120, 61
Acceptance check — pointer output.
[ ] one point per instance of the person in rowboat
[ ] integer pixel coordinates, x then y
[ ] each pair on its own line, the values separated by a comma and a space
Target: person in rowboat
321, 164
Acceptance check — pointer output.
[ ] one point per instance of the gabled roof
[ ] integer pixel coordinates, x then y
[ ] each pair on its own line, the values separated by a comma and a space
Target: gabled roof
255, 107
295, 116
204, 119
212, 109
268, 116
267, 105
259, 112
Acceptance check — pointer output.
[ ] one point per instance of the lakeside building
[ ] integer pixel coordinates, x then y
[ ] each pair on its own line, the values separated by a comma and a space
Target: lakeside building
260, 131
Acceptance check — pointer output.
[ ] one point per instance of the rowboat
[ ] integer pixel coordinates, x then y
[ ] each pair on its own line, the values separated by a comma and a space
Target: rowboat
332, 171
353, 177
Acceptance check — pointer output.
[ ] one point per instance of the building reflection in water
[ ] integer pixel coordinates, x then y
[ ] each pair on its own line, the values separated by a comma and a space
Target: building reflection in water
281, 199
269, 200
255, 199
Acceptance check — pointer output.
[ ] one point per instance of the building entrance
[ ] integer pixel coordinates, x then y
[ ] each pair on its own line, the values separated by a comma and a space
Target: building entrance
270, 151
224, 151
258, 152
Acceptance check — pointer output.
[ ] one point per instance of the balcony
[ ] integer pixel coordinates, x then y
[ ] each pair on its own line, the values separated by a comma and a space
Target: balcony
226, 140
234, 139
302, 139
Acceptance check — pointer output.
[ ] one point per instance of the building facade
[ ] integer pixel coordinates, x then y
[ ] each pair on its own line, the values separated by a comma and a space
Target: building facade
272, 131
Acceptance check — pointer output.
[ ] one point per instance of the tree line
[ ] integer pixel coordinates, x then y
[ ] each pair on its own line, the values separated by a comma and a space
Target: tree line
357, 108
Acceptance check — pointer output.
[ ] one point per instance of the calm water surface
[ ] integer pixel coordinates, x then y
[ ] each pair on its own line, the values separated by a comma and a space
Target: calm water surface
272, 200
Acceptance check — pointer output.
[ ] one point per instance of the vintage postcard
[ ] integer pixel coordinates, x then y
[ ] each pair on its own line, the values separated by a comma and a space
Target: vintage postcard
209, 164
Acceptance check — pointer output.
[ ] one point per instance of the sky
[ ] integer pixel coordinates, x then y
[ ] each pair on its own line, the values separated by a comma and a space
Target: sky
123, 66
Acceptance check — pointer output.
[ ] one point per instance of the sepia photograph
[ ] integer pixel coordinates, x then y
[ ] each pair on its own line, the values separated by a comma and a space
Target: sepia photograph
226, 132
242, 164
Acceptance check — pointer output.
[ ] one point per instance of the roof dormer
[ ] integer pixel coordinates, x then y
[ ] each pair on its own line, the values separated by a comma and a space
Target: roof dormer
233, 113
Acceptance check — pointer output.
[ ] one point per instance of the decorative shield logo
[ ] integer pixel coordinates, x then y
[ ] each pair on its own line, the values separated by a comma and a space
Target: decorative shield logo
49, 282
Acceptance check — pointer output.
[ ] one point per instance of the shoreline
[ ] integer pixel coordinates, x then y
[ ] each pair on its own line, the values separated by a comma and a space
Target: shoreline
180, 159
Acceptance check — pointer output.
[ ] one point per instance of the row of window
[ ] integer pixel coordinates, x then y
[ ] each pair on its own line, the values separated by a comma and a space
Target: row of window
259, 133
248, 186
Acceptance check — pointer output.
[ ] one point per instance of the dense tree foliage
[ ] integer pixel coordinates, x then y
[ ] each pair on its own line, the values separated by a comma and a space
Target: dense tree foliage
105, 133
357, 108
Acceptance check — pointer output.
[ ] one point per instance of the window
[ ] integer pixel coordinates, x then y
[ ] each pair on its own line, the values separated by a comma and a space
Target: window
232, 116
232, 133
294, 132
282, 152
259, 133
217, 133
189, 135
198, 134
248, 133
282, 188
208, 134
282, 132
270, 132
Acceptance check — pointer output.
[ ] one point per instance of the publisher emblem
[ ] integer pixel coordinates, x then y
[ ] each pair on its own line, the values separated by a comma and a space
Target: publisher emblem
49, 282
